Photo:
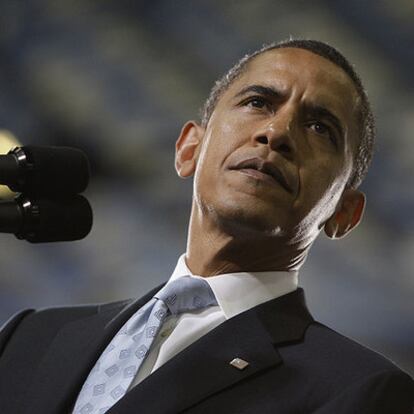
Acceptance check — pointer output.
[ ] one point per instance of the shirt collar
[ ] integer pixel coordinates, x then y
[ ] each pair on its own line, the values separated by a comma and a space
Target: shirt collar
240, 291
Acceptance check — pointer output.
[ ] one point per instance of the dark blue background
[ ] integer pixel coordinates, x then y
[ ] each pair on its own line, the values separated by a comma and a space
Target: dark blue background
118, 79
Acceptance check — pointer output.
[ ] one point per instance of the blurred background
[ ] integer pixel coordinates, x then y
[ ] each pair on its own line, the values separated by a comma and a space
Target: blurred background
119, 78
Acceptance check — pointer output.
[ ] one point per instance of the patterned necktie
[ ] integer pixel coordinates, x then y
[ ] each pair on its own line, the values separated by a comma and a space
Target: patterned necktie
114, 371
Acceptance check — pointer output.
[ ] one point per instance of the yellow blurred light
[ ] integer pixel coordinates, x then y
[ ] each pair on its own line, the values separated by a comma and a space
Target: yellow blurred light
7, 142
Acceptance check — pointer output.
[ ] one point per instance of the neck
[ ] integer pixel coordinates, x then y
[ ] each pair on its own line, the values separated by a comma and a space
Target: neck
212, 250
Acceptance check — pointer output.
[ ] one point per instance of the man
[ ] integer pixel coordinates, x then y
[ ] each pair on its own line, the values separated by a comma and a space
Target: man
285, 140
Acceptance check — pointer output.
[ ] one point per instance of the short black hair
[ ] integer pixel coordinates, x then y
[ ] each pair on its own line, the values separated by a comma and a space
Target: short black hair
363, 155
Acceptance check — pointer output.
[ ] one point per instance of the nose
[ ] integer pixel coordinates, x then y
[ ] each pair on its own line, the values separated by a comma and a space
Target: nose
278, 134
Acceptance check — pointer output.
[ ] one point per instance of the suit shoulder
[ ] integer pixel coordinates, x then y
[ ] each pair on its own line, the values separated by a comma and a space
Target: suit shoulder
63, 314
51, 319
7, 329
346, 352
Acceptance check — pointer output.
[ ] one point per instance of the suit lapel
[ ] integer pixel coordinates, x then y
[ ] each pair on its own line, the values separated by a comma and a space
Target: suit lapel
73, 353
196, 373
203, 368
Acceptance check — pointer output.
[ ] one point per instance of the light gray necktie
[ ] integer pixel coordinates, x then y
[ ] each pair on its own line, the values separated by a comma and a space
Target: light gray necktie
114, 371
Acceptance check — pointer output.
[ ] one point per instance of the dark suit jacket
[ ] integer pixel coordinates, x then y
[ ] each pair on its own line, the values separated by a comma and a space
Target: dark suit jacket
296, 365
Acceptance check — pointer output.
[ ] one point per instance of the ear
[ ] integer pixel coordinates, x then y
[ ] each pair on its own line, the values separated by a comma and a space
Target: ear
349, 214
187, 148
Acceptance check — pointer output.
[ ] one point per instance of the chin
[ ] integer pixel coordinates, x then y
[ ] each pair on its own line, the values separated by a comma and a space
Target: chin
237, 220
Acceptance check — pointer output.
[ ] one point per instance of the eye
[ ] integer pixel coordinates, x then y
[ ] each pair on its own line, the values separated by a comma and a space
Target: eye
322, 129
257, 102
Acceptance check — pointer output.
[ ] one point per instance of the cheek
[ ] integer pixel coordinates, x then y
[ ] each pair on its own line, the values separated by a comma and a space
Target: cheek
214, 152
221, 140
320, 189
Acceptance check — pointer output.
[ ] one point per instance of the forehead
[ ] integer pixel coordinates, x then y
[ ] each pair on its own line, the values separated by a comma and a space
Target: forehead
291, 67
305, 76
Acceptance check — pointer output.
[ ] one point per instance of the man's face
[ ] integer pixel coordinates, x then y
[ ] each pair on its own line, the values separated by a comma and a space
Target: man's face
278, 149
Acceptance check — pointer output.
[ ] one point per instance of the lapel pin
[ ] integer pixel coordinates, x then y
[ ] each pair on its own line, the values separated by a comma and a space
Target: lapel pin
239, 363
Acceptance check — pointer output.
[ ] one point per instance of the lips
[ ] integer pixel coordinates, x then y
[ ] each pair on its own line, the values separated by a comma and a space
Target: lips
265, 167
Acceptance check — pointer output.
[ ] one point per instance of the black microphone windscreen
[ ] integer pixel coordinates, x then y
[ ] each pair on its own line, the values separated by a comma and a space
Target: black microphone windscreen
56, 170
63, 219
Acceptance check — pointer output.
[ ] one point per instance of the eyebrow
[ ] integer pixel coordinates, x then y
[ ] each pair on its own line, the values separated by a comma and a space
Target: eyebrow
268, 91
315, 110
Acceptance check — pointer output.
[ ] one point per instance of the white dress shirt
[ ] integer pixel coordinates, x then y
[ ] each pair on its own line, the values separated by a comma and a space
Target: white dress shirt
235, 293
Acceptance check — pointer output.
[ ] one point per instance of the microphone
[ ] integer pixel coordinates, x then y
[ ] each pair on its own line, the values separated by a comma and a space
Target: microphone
39, 220
45, 170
